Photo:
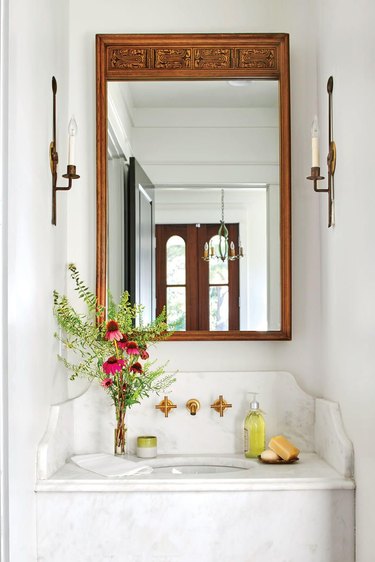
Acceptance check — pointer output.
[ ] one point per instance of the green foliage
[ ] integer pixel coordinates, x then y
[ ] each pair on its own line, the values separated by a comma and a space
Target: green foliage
85, 338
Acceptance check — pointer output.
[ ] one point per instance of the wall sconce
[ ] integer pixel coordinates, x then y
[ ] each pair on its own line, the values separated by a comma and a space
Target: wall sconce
331, 158
54, 157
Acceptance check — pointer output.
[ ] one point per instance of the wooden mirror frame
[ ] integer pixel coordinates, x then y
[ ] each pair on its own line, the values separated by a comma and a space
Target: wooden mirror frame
197, 57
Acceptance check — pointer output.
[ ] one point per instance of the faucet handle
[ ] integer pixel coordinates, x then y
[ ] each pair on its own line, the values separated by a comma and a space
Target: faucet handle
165, 406
220, 405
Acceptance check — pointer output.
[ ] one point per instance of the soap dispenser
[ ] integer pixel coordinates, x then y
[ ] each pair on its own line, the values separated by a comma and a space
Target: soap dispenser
254, 430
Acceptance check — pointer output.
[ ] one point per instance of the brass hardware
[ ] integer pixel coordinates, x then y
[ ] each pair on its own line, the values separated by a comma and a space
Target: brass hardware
220, 405
226, 249
165, 406
331, 161
193, 406
71, 172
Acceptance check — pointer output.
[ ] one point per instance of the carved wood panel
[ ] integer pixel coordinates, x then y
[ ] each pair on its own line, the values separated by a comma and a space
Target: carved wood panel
172, 58
257, 58
190, 58
212, 58
127, 58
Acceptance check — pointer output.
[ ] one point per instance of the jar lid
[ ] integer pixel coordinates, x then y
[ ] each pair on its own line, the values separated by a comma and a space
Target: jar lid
146, 441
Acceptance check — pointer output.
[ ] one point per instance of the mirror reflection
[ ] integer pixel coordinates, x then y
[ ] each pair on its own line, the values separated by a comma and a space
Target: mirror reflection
193, 201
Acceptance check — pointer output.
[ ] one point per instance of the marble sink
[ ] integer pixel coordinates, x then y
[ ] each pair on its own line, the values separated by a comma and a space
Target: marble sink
202, 491
197, 465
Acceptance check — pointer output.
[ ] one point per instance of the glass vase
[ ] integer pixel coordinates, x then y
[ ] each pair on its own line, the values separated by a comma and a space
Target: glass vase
120, 431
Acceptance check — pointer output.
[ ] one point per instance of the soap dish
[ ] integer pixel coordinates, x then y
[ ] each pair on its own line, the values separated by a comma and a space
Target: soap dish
278, 461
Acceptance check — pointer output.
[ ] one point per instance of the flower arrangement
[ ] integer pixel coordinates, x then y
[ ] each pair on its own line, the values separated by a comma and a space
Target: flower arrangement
115, 353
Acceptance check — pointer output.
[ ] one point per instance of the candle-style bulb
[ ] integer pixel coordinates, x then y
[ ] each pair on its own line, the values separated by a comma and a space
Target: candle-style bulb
315, 143
72, 127
315, 128
72, 130
232, 250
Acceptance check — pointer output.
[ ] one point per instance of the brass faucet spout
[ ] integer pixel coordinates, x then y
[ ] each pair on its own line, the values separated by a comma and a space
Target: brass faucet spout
193, 406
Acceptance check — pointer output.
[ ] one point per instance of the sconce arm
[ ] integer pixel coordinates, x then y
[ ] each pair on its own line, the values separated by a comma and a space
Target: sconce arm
71, 173
331, 161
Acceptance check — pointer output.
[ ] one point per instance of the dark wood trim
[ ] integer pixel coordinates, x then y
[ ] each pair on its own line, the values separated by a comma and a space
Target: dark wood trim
192, 296
198, 57
203, 277
285, 194
188, 233
205, 233
203, 335
101, 174
234, 281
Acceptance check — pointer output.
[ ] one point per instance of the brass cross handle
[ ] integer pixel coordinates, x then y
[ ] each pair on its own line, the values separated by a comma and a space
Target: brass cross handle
220, 405
165, 406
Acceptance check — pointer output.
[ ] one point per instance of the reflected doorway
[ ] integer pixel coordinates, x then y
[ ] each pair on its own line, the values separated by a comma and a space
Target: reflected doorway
197, 294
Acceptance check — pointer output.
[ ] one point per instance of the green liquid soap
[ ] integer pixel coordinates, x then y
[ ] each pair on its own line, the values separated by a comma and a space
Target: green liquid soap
254, 431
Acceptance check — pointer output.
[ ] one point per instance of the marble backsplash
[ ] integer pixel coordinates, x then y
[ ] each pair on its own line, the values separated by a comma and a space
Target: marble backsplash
287, 409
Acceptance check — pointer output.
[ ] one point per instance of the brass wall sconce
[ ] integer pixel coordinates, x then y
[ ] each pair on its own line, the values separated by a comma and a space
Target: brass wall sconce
54, 157
220, 405
331, 158
165, 406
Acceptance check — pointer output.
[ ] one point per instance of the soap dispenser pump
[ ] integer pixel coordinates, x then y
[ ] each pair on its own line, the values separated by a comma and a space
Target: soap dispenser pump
254, 430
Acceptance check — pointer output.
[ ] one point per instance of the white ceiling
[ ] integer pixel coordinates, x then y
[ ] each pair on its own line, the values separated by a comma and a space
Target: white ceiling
205, 93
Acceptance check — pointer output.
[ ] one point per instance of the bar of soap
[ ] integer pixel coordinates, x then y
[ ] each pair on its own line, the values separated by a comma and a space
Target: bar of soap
284, 448
269, 455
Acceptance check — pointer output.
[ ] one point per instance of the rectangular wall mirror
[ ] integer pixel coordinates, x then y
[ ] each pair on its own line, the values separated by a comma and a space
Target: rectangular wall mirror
193, 181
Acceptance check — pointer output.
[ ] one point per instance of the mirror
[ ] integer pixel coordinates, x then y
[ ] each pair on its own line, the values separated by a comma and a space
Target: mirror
193, 133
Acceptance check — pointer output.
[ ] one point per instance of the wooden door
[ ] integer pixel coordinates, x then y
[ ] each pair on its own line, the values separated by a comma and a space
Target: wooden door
202, 292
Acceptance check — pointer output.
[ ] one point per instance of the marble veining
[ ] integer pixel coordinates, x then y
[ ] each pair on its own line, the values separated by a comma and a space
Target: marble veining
55, 447
292, 513
310, 473
86, 424
331, 441
287, 410
289, 526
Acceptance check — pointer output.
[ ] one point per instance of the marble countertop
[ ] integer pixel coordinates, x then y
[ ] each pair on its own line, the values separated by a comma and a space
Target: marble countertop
309, 473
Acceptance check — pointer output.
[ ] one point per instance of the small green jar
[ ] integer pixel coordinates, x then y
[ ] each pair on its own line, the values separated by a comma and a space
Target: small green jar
146, 446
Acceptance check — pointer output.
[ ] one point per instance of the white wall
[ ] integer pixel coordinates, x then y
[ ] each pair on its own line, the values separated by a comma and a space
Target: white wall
346, 45
298, 356
4, 442
36, 249
344, 372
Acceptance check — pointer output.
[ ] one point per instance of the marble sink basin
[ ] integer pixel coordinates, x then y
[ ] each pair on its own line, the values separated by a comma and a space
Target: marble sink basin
198, 465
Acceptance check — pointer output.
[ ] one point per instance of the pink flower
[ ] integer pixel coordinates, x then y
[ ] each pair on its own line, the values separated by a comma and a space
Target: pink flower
113, 365
144, 354
123, 342
107, 382
136, 368
113, 332
132, 348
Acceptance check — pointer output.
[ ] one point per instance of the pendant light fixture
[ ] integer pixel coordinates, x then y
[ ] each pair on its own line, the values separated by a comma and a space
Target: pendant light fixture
226, 249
